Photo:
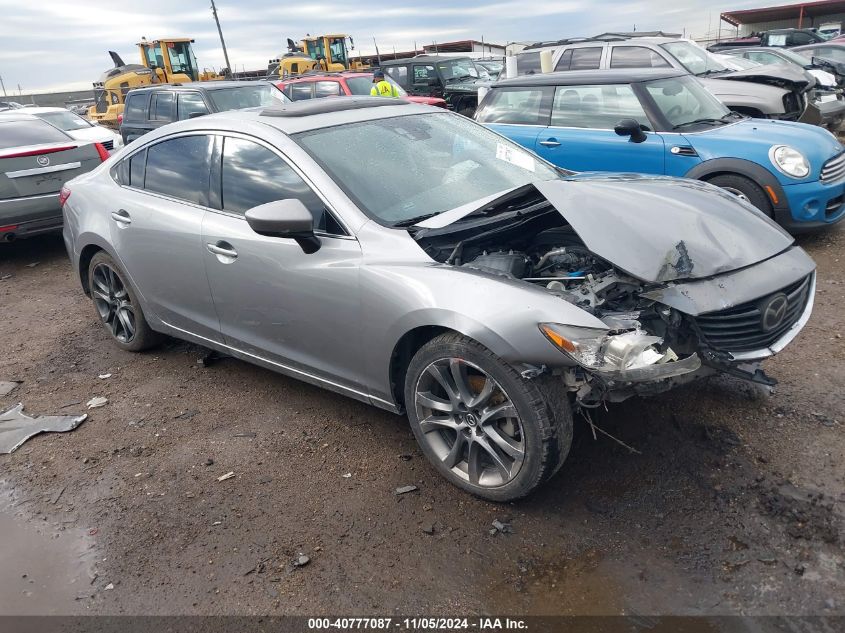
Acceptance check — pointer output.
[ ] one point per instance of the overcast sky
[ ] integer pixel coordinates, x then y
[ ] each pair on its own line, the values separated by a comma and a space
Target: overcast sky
64, 44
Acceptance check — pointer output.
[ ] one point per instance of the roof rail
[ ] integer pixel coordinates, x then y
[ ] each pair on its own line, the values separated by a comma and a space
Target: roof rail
308, 107
603, 37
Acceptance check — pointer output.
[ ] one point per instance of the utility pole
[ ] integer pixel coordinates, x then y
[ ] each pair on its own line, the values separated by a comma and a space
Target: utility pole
220, 31
378, 55
3, 85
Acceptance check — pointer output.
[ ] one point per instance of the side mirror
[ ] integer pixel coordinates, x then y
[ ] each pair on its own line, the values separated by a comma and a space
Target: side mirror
285, 218
632, 128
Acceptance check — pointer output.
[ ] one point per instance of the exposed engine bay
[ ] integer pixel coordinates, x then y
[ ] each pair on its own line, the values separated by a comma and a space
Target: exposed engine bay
648, 347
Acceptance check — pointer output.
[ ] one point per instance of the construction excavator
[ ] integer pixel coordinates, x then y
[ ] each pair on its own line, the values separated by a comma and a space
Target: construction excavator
320, 52
162, 61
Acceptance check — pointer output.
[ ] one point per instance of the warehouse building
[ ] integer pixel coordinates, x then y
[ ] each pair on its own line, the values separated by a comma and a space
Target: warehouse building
798, 15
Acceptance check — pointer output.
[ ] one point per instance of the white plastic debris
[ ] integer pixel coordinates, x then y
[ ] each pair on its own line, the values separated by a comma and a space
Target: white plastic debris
95, 403
228, 475
104, 376
16, 427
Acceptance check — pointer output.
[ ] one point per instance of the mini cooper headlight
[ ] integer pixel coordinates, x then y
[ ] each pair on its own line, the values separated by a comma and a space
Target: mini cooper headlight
789, 161
598, 350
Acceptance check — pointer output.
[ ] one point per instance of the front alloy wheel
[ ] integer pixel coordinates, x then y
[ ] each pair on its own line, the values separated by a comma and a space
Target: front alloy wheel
482, 425
469, 422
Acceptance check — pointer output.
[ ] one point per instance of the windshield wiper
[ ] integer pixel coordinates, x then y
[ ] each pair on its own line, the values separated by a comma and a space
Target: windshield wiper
415, 220
703, 120
713, 71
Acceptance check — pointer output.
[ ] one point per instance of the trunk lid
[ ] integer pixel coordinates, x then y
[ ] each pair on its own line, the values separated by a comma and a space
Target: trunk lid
42, 169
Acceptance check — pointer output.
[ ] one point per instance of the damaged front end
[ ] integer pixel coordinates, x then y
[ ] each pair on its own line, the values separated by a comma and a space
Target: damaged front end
734, 292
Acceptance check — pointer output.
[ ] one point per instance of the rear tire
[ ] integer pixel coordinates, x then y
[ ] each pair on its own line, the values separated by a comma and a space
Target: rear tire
744, 188
484, 427
117, 306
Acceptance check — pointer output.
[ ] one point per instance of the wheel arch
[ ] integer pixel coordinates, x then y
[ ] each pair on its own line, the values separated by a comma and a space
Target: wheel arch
739, 167
404, 350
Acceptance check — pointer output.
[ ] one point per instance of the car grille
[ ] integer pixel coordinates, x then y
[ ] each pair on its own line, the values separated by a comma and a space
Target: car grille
109, 145
740, 329
834, 169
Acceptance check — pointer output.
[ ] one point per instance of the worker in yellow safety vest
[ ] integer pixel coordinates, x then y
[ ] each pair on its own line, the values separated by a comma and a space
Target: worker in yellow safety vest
382, 87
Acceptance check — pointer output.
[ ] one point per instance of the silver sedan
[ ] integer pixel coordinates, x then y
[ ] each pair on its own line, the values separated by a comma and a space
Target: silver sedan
410, 258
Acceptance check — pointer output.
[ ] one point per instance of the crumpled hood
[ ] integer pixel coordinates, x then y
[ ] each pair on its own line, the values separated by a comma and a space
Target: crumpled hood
780, 75
663, 229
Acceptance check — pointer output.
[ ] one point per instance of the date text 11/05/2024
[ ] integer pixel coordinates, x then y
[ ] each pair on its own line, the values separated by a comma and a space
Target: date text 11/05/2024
417, 624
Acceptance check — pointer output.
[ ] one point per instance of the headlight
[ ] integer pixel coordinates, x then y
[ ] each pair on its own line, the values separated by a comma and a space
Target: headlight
598, 350
789, 161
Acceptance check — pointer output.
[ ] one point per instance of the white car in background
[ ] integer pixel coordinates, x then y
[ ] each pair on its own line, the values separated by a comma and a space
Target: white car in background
74, 126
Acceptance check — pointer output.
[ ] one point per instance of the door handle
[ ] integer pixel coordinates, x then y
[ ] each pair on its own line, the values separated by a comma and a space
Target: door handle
222, 250
121, 216
550, 142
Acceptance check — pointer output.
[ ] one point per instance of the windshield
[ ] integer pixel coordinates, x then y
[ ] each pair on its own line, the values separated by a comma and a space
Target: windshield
421, 164
793, 57
66, 121
363, 85
685, 103
457, 69
249, 96
694, 58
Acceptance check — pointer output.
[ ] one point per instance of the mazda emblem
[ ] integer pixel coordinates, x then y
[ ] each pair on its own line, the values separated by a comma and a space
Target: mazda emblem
773, 312
43, 161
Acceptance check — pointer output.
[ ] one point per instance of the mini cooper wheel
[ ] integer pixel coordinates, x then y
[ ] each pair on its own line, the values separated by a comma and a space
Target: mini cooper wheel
744, 189
482, 425
117, 305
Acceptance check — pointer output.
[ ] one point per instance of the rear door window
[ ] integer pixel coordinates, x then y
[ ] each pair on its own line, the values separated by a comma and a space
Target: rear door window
596, 107
300, 91
516, 106
399, 74
35, 132
425, 75
180, 168
527, 63
564, 61
253, 175
190, 103
136, 107
327, 89
137, 164
636, 57
162, 107
586, 58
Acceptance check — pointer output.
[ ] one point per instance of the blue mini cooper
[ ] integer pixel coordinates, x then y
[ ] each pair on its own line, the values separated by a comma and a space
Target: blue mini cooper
661, 121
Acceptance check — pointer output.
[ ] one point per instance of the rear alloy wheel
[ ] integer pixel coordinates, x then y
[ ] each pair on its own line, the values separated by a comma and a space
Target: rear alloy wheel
483, 426
744, 189
117, 306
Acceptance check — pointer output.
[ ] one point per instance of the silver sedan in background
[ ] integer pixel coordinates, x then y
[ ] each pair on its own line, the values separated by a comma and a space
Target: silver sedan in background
410, 258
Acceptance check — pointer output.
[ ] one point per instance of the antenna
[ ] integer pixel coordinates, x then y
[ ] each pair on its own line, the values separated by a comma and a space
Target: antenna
220, 32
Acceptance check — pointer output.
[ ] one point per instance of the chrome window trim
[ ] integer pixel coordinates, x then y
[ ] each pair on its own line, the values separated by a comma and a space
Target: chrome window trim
308, 181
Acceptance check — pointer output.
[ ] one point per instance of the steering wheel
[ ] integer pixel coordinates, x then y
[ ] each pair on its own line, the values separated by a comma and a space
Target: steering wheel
674, 111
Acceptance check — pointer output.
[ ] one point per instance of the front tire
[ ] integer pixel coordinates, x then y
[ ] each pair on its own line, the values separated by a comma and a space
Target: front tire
117, 306
484, 427
744, 188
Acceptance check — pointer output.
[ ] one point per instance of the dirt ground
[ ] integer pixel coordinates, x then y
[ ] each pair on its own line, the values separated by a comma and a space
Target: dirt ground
733, 503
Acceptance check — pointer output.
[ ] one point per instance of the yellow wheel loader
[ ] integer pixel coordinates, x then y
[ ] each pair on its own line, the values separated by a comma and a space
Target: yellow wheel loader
321, 52
162, 61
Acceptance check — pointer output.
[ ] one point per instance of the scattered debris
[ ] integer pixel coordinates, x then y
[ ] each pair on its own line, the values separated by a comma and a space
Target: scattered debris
95, 403
186, 415
346, 475
33, 264
405, 489
104, 376
428, 529
210, 358
109, 587
228, 475
7, 387
93, 531
70, 404
405, 457
594, 428
16, 427
209, 462
244, 435
301, 561
500, 526
58, 495
6, 276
